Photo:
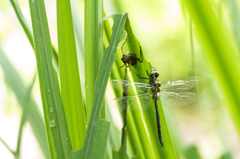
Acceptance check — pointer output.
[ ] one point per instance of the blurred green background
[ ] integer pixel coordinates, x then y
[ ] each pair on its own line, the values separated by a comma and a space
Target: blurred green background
163, 29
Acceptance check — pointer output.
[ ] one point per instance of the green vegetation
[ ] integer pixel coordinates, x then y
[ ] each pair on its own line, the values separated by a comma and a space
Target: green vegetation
179, 38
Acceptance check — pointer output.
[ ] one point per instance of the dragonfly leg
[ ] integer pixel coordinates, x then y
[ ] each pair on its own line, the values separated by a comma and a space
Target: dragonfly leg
122, 66
141, 56
122, 46
139, 76
147, 88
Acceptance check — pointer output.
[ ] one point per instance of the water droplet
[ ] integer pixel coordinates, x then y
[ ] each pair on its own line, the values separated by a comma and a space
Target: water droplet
52, 123
33, 1
118, 47
66, 138
49, 90
51, 109
55, 155
61, 118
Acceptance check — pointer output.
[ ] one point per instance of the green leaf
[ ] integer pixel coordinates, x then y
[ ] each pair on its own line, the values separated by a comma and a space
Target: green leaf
22, 20
142, 126
97, 131
69, 75
192, 152
235, 12
25, 26
93, 46
116, 73
7, 147
122, 152
220, 53
16, 84
24, 115
226, 155
54, 115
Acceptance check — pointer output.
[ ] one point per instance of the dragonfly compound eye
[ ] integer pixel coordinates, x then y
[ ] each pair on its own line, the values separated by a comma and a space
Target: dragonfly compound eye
153, 74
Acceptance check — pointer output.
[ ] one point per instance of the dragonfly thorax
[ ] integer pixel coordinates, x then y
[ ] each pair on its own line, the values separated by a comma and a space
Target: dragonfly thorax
130, 59
156, 88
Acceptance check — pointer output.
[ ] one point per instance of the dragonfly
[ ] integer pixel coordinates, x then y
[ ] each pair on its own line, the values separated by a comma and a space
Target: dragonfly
128, 59
142, 96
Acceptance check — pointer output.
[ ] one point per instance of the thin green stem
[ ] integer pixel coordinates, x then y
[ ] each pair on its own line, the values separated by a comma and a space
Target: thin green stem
192, 47
5, 144
25, 114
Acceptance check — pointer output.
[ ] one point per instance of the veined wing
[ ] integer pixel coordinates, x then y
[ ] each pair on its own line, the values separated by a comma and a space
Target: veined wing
180, 85
133, 103
133, 88
177, 99
145, 101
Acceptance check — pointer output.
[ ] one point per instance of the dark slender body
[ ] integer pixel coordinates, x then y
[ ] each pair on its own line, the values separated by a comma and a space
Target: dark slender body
155, 89
127, 59
158, 124
124, 105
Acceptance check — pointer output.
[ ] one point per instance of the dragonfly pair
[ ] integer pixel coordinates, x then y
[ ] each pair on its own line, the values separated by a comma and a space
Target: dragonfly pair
144, 95
141, 96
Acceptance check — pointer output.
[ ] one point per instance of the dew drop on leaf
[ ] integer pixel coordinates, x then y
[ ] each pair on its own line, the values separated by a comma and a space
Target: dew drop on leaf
51, 109
52, 123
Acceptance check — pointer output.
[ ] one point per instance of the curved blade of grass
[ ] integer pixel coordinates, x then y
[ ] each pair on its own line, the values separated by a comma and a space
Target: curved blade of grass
16, 84
25, 26
116, 73
122, 152
69, 75
221, 54
136, 156
133, 129
97, 131
22, 20
54, 115
93, 48
138, 132
235, 12
144, 124
24, 115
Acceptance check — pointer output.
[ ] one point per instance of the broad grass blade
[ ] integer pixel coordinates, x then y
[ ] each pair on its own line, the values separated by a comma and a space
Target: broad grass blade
54, 114
69, 75
97, 132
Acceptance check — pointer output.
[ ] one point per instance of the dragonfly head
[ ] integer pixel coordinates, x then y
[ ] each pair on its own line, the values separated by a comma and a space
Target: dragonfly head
153, 74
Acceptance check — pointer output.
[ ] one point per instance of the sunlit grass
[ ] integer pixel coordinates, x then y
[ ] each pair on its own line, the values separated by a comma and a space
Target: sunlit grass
164, 34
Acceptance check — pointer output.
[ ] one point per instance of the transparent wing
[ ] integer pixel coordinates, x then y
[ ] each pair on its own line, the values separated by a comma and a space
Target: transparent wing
177, 99
145, 101
132, 87
180, 85
133, 103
